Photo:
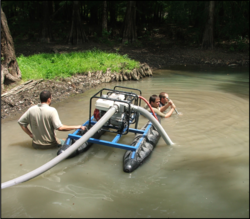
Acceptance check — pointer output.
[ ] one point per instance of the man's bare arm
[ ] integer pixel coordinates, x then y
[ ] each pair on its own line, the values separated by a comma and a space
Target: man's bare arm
170, 112
27, 131
163, 108
68, 128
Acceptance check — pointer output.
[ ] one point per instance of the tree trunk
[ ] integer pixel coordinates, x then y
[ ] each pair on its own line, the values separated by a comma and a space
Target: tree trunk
141, 14
46, 29
10, 71
32, 12
94, 15
56, 10
77, 34
129, 29
155, 11
208, 36
104, 17
84, 11
112, 13
38, 10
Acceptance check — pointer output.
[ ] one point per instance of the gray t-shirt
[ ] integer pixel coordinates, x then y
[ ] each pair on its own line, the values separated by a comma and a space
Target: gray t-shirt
43, 120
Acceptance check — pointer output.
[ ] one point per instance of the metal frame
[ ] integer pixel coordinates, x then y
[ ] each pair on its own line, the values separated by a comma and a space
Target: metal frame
114, 143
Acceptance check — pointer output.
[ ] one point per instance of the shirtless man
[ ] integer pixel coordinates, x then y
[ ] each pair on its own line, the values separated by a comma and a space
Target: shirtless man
164, 101
154, 101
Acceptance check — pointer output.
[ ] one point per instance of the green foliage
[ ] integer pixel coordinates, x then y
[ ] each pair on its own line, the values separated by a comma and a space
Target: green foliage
239, 44
105, 38
185, 20
185, 13
49, 66
194, 36
231, 19
62, 3
147, 35
106, 34
138, 43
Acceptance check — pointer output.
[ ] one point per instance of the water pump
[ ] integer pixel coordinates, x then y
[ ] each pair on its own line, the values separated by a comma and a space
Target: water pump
125, 116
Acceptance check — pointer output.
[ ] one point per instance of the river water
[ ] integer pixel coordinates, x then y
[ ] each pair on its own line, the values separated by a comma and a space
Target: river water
204, 174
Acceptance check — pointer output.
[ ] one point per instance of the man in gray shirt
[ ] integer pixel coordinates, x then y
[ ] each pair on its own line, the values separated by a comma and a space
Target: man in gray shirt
44, 120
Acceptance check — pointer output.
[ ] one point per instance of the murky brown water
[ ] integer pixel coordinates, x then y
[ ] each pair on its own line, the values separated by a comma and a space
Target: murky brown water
205, 174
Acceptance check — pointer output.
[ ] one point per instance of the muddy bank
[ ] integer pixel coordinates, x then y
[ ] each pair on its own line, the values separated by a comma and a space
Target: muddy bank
17, 100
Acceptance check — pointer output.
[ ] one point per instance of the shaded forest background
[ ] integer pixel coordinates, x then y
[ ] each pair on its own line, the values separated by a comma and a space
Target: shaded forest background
156, 32
79, 21
203, 24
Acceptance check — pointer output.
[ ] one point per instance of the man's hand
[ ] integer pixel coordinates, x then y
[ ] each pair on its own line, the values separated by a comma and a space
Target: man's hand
27, 131
170, 102
83, 127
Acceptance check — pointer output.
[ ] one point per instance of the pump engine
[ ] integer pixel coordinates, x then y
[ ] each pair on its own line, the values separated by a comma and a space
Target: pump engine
125, 116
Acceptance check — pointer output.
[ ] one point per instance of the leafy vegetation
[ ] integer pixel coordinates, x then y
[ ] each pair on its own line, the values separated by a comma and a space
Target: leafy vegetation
50, 66
184, 20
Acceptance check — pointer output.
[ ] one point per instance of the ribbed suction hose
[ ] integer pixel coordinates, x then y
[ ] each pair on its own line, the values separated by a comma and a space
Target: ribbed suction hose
65, 154
155, 122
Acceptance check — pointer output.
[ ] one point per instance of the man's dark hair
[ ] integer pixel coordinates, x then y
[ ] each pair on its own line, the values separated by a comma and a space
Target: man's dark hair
153, 98
162, 95
44, 96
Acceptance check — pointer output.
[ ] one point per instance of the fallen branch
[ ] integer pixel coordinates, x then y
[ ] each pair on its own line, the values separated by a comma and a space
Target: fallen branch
26, 86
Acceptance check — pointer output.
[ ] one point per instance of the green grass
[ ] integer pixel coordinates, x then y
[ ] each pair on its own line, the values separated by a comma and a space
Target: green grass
51, 66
